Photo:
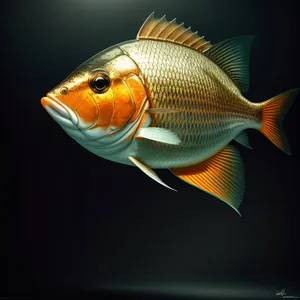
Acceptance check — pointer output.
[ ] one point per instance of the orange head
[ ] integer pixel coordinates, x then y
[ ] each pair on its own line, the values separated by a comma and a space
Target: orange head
102, 97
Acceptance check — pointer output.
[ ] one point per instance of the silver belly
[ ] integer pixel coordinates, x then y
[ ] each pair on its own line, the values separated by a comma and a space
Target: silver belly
158, 156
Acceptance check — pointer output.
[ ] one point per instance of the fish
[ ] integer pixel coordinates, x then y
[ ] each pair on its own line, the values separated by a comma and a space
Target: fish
170, 99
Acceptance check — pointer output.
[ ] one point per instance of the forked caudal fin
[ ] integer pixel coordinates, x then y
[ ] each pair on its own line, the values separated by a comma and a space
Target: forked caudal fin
273, 113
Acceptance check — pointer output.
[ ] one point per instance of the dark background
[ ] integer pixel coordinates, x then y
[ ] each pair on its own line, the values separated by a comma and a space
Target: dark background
75, 222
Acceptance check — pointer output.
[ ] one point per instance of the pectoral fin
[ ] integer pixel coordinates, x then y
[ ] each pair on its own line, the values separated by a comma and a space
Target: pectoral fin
243, 139
147, 170
158, 135
222, 176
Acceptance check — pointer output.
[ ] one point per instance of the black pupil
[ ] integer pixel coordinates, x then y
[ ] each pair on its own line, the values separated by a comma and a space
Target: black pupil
101, 83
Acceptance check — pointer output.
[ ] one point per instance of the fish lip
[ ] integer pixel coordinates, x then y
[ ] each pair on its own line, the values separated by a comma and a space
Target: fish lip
58, 109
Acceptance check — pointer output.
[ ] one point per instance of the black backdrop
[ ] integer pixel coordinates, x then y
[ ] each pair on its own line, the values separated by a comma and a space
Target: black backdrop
76, 222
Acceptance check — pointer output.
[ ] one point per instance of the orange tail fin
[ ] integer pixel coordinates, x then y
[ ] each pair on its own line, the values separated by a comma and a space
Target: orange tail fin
274, 110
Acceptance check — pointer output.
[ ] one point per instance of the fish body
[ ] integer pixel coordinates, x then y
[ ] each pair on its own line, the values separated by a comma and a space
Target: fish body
211, 110
169, 100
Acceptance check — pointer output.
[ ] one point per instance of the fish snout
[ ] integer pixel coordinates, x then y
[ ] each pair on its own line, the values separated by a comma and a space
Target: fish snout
60, 112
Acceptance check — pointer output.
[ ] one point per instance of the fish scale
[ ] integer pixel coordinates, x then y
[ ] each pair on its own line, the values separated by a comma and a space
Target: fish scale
210, 106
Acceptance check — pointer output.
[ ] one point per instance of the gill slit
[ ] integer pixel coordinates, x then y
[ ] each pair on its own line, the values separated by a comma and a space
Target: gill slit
98, 114
131, 97
142, 78
112, 115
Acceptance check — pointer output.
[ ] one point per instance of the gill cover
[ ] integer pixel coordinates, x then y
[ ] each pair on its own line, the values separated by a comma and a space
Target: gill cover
125, 96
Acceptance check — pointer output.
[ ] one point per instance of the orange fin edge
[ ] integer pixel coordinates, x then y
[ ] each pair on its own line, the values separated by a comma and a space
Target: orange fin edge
273, 113
221, 175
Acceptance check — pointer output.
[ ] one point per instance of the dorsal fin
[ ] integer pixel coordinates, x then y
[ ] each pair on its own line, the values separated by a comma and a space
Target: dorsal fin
232, 56
163, 30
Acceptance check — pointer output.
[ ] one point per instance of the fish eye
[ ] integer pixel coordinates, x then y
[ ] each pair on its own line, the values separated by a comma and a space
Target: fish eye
100, 83
64, 90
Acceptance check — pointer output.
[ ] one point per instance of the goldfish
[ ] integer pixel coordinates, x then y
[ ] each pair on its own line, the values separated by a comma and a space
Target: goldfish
170, 100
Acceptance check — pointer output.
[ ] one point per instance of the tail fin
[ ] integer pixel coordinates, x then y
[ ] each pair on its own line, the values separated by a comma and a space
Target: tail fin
274, 110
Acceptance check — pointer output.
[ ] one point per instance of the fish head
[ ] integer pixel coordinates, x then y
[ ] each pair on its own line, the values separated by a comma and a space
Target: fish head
102, 97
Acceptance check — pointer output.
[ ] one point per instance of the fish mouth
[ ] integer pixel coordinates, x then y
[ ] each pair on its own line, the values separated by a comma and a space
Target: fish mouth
61, 113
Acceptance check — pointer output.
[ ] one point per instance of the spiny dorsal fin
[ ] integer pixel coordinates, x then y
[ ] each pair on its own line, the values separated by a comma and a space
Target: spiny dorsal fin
163, 30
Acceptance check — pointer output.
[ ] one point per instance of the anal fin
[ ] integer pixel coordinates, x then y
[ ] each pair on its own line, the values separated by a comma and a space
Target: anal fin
221, 175
243, 139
